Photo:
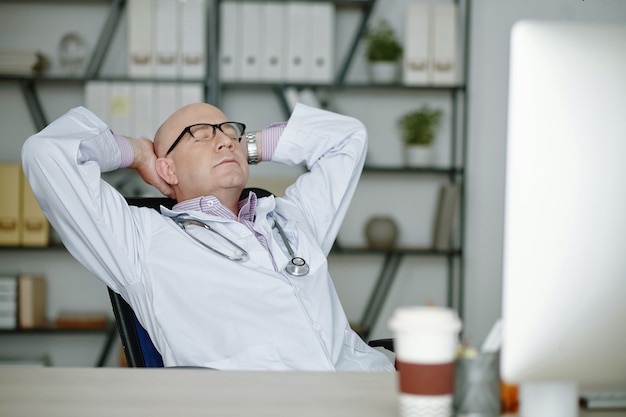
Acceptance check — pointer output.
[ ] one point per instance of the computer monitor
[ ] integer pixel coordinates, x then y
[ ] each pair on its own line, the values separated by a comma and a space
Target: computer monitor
564, 260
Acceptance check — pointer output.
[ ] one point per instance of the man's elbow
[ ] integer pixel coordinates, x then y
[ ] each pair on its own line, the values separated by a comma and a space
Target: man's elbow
35, 151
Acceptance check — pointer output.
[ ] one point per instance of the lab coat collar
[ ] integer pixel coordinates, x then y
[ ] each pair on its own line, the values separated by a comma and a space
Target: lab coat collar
264, 206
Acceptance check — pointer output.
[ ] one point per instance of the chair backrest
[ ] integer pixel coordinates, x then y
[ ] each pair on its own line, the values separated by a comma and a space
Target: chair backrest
136, 343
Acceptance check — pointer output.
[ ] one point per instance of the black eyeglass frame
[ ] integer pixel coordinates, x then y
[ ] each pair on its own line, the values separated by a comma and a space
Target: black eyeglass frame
214, 126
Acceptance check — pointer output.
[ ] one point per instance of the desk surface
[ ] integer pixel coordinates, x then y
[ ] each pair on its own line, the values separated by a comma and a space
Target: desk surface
80, 392
108, 392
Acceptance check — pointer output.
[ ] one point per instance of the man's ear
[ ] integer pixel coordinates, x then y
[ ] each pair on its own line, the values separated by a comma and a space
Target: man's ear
165, 169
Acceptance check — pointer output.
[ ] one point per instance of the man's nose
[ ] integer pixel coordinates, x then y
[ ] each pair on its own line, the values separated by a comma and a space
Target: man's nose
223, 140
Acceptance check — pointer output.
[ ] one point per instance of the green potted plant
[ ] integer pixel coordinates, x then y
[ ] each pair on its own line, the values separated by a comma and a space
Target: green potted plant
418, 129
383, 51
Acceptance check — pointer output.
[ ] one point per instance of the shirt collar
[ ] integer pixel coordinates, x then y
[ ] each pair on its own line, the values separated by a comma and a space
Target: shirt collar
212, 206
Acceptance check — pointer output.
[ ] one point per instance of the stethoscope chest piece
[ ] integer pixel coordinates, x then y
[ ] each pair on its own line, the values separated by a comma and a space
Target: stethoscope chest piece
297, 267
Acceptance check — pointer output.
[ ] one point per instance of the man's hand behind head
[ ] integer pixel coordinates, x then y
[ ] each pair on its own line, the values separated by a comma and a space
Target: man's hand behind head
144, 163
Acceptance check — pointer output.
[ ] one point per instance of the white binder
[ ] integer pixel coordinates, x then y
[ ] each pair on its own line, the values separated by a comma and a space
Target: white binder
298, 49
193, 34
142, 111
120, 107
166, 38
250, 46
140, 38
416, 67
166, 101
230, 32
322, 41
190, 93
273, 41
97, 98
444, 44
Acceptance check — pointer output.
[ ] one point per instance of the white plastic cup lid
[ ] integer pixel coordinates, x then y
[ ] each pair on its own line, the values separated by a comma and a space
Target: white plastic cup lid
425, 319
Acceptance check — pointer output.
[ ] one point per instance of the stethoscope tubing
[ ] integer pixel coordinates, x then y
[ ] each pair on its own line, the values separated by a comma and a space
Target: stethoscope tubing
297, 266
184, 222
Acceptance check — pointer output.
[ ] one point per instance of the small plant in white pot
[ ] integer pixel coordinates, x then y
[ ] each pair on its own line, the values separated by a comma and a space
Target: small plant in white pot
383, 52
419, 129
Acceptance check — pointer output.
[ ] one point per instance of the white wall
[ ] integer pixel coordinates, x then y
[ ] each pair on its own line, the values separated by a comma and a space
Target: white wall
419, 281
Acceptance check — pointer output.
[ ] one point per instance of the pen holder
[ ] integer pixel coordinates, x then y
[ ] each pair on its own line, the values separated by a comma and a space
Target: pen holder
477, 386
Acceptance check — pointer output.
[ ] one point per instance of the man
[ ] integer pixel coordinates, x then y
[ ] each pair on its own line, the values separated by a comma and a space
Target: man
221, 298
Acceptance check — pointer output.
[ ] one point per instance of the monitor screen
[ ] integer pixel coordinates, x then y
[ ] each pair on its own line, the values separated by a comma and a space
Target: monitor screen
564, 265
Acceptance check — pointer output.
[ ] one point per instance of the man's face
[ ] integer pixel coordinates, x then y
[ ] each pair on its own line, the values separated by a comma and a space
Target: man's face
202, 166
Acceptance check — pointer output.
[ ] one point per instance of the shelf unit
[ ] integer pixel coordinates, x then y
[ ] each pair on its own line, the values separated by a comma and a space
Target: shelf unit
214, 88
109, 332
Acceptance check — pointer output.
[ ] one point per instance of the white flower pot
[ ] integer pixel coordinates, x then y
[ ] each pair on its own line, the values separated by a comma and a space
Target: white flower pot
419, 156
383, 72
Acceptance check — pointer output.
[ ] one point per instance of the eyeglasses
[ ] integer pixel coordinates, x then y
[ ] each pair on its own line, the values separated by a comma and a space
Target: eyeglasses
233, 130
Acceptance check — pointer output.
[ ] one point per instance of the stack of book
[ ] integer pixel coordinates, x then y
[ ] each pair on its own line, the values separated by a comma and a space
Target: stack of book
22, 301
14, 62
8, 302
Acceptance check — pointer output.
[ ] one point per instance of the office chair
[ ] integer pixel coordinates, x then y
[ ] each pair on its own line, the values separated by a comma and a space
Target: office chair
136, 343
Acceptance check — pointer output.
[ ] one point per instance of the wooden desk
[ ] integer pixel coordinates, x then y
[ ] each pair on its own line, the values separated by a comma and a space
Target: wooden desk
107, 392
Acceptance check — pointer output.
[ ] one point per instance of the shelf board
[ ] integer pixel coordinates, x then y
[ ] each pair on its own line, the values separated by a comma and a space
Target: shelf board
82, 79
235, 84
398, 86
339, 250
55, 1
60, 330
410, 170
58, 247
344, 86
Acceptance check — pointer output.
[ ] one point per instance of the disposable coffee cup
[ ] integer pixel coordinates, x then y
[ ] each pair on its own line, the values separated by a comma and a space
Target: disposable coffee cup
425, 340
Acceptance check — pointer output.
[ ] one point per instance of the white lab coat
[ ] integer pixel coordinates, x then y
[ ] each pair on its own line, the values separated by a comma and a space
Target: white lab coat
199, 308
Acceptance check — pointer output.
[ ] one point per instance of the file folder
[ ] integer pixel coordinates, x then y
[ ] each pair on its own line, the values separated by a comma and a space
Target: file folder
273, 41
140, 38
192, 23
166, 31
298, 63
250, 46
190, 93
416, 68
97, 98
322, 41
230, 32
166, 101
444, 44
142, 111
10, 219
120, 107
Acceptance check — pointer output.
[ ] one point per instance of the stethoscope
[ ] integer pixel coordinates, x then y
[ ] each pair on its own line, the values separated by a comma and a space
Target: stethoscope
296, 267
